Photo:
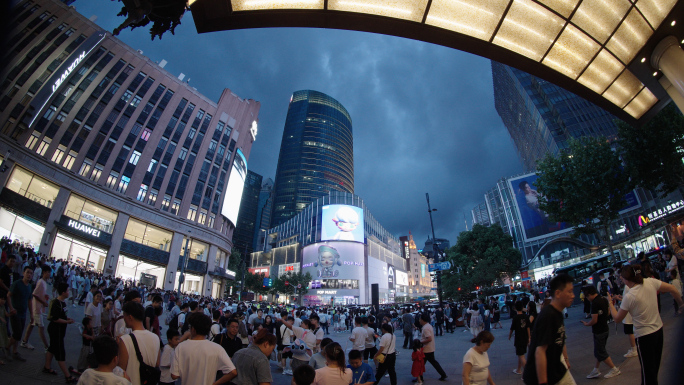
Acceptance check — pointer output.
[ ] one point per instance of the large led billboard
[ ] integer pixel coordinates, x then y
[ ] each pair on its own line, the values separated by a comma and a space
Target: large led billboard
402, 278
236, 183
342, 223
334, 260
535, 222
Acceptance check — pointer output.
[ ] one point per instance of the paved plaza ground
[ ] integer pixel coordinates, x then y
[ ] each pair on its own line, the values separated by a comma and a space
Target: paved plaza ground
450, 351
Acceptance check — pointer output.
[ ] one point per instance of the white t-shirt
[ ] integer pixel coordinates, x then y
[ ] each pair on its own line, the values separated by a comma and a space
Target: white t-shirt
628, 318
286, 335
309, 339
480, 370
358, 337
165, 363
428, 331
388, 341
197, 361
89, 297
215, 330
95, 313
333, 376
148, 343
370, 337
673, 265
641, 302
40, 291
92, 376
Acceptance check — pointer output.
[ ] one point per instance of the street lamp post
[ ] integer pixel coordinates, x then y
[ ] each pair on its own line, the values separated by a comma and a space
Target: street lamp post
181, 277
435, 252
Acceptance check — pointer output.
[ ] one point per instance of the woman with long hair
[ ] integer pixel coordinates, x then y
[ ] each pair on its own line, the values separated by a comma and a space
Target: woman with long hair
335, 371
388, 350
476, 361
269, 324
640, 302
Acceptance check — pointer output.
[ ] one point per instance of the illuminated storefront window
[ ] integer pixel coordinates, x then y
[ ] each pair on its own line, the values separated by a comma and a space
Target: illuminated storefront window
33, 187
91, 213
146, 234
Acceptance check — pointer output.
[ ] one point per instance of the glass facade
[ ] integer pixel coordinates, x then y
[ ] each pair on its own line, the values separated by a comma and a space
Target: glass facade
541, 117
316, 154
243, 236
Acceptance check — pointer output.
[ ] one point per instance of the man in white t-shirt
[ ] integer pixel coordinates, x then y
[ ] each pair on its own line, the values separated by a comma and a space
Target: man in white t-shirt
358, 336
40, 302
197, 359
148, 342
427, 338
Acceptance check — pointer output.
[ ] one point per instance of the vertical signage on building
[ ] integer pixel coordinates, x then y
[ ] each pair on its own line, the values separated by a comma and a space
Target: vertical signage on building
63, 73
390, 277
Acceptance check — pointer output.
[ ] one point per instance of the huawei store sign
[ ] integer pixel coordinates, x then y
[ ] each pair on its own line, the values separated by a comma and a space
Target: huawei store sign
83, 228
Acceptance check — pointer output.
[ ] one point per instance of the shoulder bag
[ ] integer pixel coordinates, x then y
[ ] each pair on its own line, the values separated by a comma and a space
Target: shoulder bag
149, 375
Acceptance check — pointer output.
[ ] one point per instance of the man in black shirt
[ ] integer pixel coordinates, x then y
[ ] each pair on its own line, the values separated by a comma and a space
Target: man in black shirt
7, 275
599, 327
151, 312
547, 360
521, 327
229, 339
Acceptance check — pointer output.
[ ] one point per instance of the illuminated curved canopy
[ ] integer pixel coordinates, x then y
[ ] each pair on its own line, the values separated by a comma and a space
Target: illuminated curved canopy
593, 48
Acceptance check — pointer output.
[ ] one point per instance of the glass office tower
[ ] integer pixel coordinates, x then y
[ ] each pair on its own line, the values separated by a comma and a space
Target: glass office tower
316, 153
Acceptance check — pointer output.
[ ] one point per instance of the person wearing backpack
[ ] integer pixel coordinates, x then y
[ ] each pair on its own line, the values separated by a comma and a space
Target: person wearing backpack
139, 350
173, 312
176, 320
229, 339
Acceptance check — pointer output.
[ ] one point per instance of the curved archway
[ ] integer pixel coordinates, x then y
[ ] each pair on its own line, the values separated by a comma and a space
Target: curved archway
597, 49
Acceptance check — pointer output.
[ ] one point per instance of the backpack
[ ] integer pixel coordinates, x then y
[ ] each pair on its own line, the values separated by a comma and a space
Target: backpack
149, 375
212, 336
173, 324
604, 288
169, 318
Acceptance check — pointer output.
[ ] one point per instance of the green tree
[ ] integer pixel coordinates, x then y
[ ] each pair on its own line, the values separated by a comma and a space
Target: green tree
235, 264
653, 152
293, 279
481, 257
164, 14
584, 186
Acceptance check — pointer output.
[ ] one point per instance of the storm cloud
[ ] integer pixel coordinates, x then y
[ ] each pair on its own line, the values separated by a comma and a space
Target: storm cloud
423, 115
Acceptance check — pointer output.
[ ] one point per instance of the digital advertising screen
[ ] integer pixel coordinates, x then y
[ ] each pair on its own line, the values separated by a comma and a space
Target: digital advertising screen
334, 260
535, 222
236, 183
402, 278
342, 223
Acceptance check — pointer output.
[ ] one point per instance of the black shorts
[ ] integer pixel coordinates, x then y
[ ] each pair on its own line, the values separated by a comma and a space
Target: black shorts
56, 342
17, 322
628, 328
520, 350
600, 341
369, 352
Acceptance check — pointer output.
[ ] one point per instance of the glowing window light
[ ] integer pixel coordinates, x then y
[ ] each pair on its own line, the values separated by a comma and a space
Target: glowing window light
375, 6
536, 10
473, 7
528, 29
508, 42
456, 24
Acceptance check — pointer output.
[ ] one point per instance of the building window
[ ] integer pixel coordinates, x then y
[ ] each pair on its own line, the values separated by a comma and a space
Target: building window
142, 193
61, 117
212, 219
191, 134
212, 145
145, 134
183, 153
123, 184
85, 168
192, 212
136, 100
113, 177
135, 158
153, 164
70, 159
152, 197
31, 142
50, 112
127, 95
176, 206
97, 172
43, 146
59, 154
166, 202
203, 216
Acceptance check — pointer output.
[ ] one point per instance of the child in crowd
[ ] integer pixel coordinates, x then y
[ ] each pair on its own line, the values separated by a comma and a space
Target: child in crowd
362, 372
3, 326
303, 375
107, 372
87, 347
173, 336
418, 358
318, 360
335, 373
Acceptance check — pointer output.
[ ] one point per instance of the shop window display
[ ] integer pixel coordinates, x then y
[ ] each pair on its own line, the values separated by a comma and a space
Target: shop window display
146, 234
33, 187
91, 213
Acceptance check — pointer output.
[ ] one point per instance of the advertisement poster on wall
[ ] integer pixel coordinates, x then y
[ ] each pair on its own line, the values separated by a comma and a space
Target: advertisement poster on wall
342, 223
537, 223
402, 278
236, 183
334, 260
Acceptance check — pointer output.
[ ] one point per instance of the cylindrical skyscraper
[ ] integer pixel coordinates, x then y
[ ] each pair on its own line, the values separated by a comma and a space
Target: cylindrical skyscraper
316, 153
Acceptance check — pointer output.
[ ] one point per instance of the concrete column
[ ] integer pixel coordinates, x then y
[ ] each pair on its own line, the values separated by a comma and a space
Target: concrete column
174, 255
114, 250
676, 97
8, 166
211, 262
56, 212
668, 57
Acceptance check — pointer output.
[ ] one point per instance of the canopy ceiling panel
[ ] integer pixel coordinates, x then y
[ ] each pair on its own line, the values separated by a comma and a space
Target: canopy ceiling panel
594, 48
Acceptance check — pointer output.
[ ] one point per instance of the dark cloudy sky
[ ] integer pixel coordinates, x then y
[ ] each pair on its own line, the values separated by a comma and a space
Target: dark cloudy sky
423, 115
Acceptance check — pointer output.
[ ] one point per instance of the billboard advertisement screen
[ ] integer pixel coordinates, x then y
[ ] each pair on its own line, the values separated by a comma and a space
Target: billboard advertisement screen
342, 223
236, 183
333, 260
402, 278
535, 222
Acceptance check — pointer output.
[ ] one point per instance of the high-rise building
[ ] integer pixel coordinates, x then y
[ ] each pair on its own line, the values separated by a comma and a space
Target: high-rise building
243, 237
112, 162
264, 209
541, 117
316, 154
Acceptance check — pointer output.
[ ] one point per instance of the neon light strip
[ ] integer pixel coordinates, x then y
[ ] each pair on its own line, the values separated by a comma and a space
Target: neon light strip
53, 93
373, 6
473, 7
526, 28
517, 45
253, 3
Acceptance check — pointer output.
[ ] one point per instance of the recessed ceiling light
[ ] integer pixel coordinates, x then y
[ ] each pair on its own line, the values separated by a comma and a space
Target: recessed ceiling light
655, 73
643, 59
673, 23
